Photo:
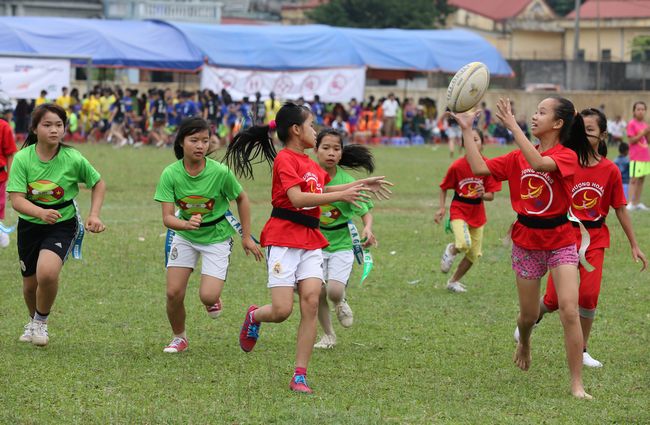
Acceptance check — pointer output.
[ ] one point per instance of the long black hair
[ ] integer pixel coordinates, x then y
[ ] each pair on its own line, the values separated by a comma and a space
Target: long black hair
572, 133
480, 136
255, 141
352, 156
38, 115
188, 127
602, 126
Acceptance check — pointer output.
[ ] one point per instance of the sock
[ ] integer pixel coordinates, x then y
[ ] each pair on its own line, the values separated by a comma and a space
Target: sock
41, 317
252, 316
300, 371
181, 335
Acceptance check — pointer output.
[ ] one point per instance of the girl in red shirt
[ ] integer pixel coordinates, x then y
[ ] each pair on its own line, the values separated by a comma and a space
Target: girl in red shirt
291, 235
596, 188
540, 179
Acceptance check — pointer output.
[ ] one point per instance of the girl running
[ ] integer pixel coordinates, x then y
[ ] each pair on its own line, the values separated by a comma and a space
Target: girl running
338, 257
467, 213
202, 189
291, 235
596, 188
540, 179
43, 183
637, 136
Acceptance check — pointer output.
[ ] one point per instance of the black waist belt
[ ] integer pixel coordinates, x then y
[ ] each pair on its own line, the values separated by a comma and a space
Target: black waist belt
295, 217
55, 206
337, 227
473, 201
2, 169
597, 224
542, 223
213, 222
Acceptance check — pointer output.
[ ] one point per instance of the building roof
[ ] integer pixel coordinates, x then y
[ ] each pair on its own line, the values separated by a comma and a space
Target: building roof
611, 9
497, 10
307, 5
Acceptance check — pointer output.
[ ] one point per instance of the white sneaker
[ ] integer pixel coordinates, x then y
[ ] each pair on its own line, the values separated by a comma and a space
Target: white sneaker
344, 314
631, 207
456, 287
516, 335
327, 341
40, 336
4, 240
641, 206
27, 333
589, 361
447, 259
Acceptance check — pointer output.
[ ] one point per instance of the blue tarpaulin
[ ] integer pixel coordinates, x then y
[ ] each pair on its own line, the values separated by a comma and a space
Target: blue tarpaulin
183, 46
137, 44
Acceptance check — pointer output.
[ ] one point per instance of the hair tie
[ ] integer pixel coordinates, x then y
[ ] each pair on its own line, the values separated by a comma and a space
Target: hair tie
272, 125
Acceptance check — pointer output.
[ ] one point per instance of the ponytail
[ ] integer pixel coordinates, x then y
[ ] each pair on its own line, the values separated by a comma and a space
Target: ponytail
572, 133
357, 157
30, 140
247, 146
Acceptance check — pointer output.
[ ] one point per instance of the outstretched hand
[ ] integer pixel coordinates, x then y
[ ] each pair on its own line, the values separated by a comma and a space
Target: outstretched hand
465, 119
505, 115
378, 186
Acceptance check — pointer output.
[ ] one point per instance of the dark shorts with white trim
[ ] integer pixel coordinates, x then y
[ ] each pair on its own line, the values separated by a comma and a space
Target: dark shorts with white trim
32, 238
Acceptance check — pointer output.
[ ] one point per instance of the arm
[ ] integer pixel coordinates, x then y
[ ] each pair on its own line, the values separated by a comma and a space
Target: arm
626, 224
351, 194
488, 196
244, 211
23, 206
440, 214
93, 223
376, 185
10, 160
367, 234
642, 134
532, 155
474, 158
174, 223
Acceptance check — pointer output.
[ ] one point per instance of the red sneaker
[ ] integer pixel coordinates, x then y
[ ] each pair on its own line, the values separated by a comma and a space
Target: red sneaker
299, 384
249, 331
214, 311
177, 345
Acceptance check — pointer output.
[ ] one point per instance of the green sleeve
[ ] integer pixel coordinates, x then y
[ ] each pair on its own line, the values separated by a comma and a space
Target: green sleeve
165, 188
87, 173
231, 187
363, 209
18, 175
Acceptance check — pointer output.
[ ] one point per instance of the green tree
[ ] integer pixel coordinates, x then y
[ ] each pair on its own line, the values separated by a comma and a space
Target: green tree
562, 7
641, 49
413, 14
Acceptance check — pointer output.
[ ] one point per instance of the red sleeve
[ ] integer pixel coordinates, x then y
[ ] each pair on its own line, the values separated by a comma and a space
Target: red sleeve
491, 184
287, 173
7, 142
566, 161
501, 166
326, 177
449, 182
617, 197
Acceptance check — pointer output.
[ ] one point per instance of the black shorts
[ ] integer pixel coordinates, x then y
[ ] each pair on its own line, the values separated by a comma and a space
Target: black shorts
32, 238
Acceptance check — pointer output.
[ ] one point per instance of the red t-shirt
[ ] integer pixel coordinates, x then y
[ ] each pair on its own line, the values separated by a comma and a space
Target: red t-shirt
7, 147
538, 195
595, 189
294, 169
460, 178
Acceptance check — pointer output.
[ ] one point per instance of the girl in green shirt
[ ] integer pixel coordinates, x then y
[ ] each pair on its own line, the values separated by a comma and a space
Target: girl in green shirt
338, 257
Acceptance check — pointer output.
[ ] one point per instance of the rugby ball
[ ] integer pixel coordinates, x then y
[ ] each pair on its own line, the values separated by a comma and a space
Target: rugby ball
468, 87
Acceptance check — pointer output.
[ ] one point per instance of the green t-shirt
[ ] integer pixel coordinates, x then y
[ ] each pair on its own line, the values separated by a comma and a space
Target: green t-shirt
209, 194
340, 212
51, 182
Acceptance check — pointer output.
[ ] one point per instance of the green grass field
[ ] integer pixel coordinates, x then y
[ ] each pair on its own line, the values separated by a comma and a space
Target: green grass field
416, 353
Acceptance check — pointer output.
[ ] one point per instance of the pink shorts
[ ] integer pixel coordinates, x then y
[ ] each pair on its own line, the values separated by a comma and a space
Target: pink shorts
3, 199
533, 264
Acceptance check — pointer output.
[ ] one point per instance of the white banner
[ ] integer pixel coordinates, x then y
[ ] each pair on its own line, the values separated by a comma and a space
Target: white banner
332, 85
24, 78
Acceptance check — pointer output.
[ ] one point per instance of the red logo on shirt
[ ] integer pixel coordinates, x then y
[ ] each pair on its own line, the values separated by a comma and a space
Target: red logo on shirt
585, 200
44, 191
329, 214
532, 190
313, 186
195, 204
469, 188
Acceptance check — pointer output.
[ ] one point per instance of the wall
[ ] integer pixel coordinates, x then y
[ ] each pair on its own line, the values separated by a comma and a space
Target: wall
536, 45
616, 35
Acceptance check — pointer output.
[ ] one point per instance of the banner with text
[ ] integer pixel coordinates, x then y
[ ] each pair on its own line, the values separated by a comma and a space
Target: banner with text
332, 85
24, 78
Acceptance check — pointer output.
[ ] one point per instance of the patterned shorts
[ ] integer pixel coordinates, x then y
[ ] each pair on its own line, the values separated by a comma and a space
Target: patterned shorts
533, 264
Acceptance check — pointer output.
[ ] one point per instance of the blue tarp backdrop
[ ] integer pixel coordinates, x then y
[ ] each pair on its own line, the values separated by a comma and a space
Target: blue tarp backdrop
183, 46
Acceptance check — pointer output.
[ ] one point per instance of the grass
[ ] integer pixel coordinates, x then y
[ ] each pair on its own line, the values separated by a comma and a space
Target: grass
416, 353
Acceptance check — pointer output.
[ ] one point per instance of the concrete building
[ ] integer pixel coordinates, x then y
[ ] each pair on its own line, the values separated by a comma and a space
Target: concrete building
60, 8
200, 11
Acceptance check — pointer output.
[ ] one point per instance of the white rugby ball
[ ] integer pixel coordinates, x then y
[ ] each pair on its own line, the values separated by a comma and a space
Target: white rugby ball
468, 87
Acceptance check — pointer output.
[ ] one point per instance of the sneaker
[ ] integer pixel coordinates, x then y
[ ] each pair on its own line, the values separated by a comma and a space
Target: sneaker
299, 384
447, 259
456, 287
40, 336
344, 314
516, 334
249, 331
641, 206
589, 361
631, 207
327, 341
4, 240
177, 345
214, 311
27, 333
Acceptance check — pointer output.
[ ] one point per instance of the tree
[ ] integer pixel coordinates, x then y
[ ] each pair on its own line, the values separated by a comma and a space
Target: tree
562, 7
641, 49
413, 14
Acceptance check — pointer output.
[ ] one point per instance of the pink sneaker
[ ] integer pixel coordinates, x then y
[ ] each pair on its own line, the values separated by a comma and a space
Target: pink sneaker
214, 311
177, 345
299, 384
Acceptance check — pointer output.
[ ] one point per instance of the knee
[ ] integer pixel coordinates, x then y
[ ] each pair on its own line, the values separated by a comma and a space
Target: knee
309, 303
175, 295
568, 314
335, 292
528, 319
209, 299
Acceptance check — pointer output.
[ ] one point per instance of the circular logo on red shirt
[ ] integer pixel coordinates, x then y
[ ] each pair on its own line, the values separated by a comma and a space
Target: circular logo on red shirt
585, 202
536, 193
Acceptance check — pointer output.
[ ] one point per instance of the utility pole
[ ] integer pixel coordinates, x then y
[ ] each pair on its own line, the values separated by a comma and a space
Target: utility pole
599, 53
576, 45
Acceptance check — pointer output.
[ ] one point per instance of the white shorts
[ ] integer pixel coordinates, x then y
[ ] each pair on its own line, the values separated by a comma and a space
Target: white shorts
288, 266
216, 256
338, 265
454, 132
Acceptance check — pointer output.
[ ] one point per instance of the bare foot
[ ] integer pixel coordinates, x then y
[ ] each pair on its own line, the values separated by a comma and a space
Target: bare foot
522, 357
579, 392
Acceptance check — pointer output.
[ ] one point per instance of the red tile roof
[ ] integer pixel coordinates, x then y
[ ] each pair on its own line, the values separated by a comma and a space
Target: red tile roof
609, 9
497, 10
